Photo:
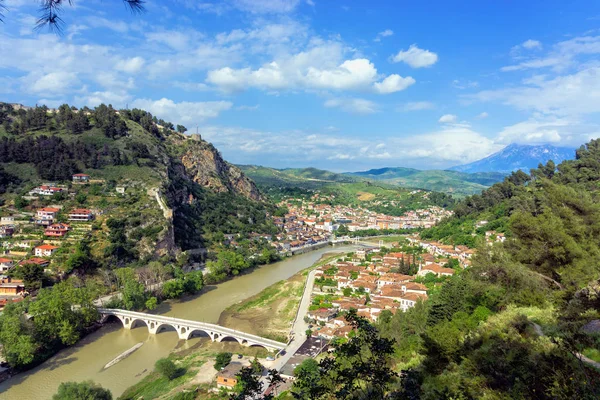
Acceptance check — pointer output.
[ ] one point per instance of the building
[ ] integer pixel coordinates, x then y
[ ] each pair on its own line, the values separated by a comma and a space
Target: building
6, 264
227, 377
120, 189
81, 178
436, 269
6, 231
81, 214
11, 287
37, 261
57, 230
45, 250
46, 215
45, 190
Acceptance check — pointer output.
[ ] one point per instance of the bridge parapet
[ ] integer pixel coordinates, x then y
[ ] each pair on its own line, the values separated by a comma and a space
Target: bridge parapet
185, 328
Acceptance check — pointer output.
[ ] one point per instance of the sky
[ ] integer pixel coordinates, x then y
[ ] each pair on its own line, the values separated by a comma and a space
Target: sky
333, 84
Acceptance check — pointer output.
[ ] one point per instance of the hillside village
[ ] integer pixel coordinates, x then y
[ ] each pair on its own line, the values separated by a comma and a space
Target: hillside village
374, 280
313, 221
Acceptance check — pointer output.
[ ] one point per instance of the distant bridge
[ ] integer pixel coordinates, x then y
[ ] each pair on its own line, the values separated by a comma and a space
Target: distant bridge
186, 328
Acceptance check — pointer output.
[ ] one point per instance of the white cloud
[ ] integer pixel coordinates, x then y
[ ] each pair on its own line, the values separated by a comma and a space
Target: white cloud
382, 34
248, 108
562, 55
483, 115
416, 57
393, 83
352, 105
540, 129
52, 83
417, 106
117, 98
447, 119
574, 94
114, 25
183, 112
464, 84
130, 65
266, 6
532, 44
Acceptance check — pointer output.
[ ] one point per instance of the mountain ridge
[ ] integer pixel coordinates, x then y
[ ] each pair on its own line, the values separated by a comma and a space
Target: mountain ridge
517, 156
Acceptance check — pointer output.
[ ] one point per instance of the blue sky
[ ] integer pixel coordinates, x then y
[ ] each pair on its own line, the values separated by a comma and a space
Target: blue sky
340, 85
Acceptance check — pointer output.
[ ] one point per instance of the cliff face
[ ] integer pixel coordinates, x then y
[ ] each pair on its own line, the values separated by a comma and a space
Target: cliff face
204, 165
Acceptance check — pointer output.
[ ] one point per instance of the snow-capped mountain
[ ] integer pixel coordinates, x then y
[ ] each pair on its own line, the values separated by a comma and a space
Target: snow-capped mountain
518, 156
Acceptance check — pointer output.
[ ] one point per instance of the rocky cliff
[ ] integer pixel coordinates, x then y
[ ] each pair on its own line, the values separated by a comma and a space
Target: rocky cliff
204, 165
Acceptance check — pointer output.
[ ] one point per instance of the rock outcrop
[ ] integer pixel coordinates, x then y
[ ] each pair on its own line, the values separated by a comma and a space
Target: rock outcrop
204, 165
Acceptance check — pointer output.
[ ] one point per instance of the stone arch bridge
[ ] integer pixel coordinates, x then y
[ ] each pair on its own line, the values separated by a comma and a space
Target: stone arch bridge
186, 328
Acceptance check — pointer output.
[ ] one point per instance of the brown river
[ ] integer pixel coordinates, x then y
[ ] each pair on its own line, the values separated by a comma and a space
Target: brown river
86, 359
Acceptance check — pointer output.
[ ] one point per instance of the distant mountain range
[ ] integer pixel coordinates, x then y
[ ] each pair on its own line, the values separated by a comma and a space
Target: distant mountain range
459, 181
518, 156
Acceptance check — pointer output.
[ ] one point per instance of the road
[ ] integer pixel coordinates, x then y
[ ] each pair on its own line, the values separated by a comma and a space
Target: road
299, 327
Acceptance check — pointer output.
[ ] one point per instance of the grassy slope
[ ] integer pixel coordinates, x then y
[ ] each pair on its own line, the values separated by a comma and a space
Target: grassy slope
456, 183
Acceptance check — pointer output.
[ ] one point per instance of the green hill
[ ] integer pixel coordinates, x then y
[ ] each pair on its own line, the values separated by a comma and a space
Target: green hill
458, 184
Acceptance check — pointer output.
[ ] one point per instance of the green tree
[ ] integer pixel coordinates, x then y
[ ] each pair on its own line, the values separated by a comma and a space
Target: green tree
181, 129
222, 360
308, 333
167, 368
81, 198
87, 390
151, 303
32, 276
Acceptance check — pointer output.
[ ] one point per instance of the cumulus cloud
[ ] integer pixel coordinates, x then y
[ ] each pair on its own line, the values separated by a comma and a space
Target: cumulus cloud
185, 111
448, 119
540, 129
416, 57
352, 105
300, 72
130, 65
393, 83
482, 115
52, 83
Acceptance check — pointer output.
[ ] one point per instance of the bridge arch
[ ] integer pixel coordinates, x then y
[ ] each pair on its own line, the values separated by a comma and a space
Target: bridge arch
135, 322
224, 337
161, 326
203, 333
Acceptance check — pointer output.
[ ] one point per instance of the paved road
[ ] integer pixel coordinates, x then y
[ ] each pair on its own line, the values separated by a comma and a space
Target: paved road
298, 330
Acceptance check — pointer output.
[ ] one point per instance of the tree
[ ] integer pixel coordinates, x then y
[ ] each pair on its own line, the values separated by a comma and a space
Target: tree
167, 368
257, 367
151, 303
309, 333
81, 198
50, 11
360, 368
181, 129
249, 387
87, 390
32, 276
222, 360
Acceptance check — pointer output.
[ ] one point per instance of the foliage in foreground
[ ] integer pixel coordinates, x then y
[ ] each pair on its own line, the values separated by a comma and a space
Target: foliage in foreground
87, 390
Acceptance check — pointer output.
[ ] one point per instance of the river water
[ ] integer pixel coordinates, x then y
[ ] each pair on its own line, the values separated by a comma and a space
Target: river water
86, 359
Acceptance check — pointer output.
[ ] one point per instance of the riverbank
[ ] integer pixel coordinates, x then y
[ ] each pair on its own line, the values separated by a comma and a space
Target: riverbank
271, 312
86, 359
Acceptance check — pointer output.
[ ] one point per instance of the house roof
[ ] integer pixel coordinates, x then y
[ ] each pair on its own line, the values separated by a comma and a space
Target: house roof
80, 211
47, 247
49, 209
81, 175
5, 260
231, 370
